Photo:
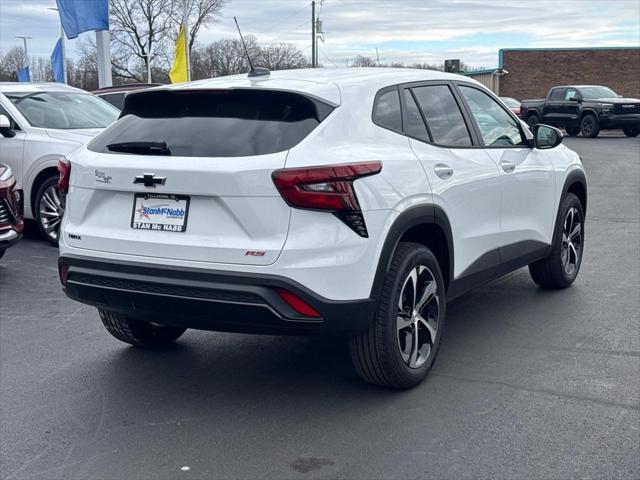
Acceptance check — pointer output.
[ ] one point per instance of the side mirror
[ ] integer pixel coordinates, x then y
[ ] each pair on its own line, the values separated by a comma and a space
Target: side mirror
546, 137
577, 98
5, 127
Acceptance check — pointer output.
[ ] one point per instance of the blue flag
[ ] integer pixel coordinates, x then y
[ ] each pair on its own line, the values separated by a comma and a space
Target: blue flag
78, 16
57, 62
23, 75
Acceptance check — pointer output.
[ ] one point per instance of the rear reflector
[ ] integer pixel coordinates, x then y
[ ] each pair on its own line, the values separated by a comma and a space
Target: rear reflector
297, 303
326, 188
63, 271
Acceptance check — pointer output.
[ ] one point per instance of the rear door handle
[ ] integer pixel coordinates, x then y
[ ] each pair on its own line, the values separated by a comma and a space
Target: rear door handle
508, 166
443, 171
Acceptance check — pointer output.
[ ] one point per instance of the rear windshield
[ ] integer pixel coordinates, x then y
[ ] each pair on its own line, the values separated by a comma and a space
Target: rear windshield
212, 123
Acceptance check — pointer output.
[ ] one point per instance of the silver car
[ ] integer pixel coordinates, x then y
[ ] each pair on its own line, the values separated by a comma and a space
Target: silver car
39, 123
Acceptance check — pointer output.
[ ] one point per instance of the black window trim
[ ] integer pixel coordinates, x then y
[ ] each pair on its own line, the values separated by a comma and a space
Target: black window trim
475, 143
381, 92
476, 128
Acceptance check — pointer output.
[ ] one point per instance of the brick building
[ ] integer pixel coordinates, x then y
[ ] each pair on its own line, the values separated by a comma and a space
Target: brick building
525, 73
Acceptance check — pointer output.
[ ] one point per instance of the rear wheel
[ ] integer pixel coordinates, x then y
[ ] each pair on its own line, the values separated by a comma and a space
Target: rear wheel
400, 346
589, 126
632, 131
49, 209
561, 267
573, 131
533, 120
137, 332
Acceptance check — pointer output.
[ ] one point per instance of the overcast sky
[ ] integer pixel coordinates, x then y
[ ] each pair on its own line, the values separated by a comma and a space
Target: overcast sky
408, 31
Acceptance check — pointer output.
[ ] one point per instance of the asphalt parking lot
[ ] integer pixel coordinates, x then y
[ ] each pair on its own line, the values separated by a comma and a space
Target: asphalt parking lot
528, 384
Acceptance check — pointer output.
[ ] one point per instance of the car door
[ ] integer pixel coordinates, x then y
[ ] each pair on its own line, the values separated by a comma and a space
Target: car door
526, 175
464, 181
570, 108
552, 110
12, 148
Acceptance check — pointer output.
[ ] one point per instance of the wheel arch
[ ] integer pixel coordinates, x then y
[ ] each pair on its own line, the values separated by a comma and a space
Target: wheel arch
424, 224
588, 111
576, 183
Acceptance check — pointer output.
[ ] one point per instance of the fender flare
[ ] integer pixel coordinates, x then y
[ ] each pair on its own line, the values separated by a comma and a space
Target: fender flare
576, 176
425, 214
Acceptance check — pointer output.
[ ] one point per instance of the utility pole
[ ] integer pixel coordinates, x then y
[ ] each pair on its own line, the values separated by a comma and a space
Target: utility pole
186, 38
377, 56
64, 50
313, 34
26, 52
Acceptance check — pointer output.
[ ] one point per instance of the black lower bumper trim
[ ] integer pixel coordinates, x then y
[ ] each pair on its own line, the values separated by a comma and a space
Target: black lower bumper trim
207, 300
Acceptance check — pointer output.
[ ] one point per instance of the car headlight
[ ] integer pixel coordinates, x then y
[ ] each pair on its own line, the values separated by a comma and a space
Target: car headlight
6, 174
606, 109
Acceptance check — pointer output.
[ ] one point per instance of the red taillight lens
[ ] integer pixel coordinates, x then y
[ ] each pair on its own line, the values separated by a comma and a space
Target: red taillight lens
63, 271
64, 168
323, 188
297, 303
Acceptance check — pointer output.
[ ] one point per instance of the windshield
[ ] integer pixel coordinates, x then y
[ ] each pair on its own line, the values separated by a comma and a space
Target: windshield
597, 92
510, 102
64, 110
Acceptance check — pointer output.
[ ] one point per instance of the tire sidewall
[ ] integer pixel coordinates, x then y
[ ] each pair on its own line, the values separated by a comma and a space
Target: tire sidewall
533, 120
595, 128
418, 256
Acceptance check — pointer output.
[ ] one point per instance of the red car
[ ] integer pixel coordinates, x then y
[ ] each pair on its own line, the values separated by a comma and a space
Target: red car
11, 209
513, 104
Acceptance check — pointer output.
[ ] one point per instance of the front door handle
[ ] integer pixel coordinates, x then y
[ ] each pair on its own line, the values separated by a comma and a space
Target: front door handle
443, 171
508, 166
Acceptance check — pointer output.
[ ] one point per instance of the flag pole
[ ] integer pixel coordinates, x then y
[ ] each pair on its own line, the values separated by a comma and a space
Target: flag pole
185, 21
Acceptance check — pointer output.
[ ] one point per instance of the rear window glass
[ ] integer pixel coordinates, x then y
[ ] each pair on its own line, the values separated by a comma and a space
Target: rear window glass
212, 123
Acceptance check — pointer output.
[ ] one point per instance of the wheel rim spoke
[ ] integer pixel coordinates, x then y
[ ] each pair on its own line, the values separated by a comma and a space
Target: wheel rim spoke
417, 316
571, 241
51, 211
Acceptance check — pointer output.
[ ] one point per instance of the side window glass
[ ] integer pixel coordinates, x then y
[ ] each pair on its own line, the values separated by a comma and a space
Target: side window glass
415, 125
557, 94
497, 127
443, 116
571, 93
386, 111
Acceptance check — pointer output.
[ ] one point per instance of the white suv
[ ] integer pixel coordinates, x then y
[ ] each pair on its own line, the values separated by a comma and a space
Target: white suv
39, 123
349, 200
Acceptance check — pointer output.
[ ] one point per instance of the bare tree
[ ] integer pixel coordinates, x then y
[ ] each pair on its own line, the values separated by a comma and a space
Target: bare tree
362, 61
202, 13
282, 56
13, 61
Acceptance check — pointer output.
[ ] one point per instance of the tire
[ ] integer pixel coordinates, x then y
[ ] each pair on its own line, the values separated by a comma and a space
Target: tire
533, 120
572, 131
557, 270
631, 131
589, 126
49, 210
138, 332
384, 354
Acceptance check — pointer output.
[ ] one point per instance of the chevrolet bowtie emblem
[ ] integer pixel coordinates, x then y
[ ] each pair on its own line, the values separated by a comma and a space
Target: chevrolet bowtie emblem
149, 180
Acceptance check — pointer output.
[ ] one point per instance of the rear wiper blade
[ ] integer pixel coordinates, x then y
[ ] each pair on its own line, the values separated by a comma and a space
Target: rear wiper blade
142, 148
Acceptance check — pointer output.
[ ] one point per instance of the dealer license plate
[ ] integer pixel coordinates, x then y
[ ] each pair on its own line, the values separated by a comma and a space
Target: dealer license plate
160, 212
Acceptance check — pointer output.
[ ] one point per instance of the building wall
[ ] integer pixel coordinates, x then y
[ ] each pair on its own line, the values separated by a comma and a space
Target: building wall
533, 72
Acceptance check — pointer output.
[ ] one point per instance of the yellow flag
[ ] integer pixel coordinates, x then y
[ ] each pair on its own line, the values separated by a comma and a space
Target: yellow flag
178, 72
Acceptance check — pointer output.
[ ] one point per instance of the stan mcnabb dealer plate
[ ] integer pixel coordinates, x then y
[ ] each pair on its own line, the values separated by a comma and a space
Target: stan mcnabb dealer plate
160, 212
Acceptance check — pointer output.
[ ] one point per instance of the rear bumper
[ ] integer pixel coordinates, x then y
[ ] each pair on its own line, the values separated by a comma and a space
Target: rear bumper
9, 237
207, 300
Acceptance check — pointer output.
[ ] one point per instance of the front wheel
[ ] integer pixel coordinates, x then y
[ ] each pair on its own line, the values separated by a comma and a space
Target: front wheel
138, 332
400, 346
589, 126
49, 210
632, 131
561, 267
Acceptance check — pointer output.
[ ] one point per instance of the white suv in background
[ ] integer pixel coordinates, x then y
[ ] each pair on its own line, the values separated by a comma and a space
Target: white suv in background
39, 123
319, 200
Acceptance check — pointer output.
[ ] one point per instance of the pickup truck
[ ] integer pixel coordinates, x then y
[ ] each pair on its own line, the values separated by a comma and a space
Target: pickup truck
585, 109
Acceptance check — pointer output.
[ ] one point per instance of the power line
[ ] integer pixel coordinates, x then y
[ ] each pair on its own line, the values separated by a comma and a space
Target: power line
280, 22
287, 32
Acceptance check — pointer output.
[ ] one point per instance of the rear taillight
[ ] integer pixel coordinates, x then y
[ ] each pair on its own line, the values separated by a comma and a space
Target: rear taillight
327, 188
63, 272
64, 169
